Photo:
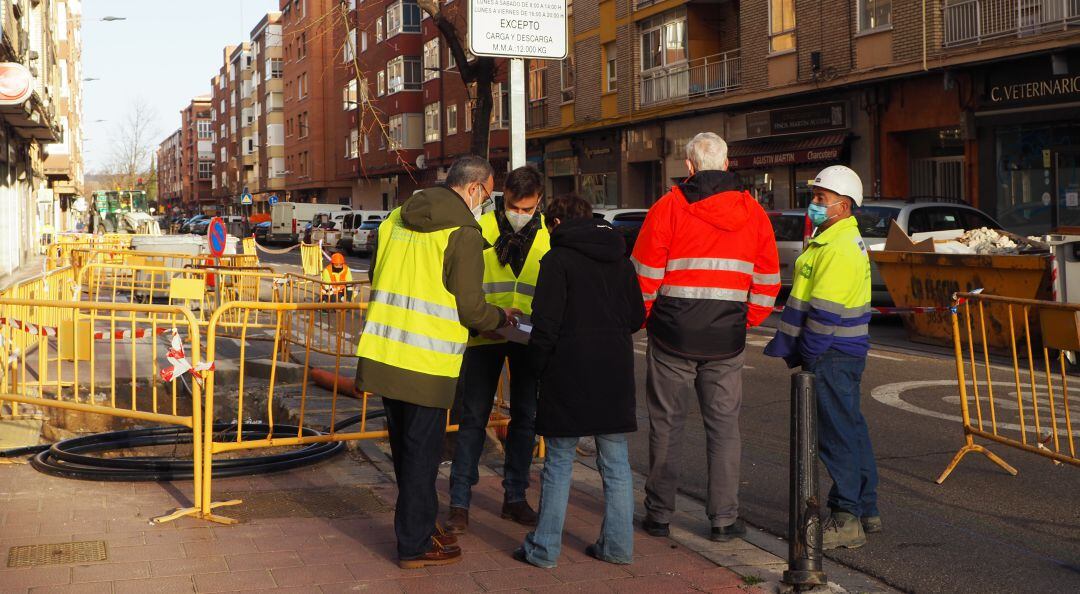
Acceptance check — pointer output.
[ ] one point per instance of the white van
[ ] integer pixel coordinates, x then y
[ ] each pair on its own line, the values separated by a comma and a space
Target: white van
364, 223
287, 219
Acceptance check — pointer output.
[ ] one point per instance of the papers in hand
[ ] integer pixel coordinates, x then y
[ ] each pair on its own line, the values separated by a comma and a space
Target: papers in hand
519, 334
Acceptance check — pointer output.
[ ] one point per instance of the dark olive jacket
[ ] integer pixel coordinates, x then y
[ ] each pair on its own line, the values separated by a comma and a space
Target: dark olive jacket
427, 211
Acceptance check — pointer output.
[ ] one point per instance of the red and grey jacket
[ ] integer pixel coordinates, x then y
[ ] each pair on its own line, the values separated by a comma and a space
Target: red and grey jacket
707, 265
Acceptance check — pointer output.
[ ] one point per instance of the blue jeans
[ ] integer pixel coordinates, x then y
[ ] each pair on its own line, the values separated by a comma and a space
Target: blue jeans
616, 542
843, 438
480, 375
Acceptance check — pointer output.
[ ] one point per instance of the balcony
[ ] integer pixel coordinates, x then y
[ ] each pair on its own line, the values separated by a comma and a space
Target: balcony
971, 22
699, 77
536, 114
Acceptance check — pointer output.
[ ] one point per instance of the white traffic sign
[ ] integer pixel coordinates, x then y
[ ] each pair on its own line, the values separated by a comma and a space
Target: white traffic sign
518, 28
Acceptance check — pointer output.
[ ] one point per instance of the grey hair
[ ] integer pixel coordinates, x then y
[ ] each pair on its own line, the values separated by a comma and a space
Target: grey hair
707, 151
469, 169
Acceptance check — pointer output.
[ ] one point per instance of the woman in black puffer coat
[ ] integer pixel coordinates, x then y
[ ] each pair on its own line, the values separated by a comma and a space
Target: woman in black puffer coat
587, 306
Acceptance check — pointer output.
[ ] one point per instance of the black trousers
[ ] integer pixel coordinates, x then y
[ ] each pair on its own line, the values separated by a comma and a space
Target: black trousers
416, 441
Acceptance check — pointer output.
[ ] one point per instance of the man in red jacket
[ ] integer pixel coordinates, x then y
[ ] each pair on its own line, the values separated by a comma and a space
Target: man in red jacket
707, 265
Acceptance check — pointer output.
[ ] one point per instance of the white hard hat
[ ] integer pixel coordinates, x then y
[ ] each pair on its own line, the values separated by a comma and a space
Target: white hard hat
841, 180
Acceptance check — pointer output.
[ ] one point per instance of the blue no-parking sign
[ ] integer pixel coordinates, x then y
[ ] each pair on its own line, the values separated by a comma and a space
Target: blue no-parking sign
216, 237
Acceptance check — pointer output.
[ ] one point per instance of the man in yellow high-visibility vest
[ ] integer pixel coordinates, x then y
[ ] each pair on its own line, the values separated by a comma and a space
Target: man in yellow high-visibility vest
518, 239
825, 329
425, 296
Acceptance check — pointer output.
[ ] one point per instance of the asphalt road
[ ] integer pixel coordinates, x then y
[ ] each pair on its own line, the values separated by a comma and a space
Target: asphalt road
980, 531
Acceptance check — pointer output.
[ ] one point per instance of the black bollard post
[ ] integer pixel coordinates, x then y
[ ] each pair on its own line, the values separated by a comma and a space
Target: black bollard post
804, 510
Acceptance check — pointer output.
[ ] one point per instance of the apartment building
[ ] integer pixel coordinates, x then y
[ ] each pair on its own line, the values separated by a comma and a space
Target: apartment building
969, 99
421, 112
268, 112
314, 74
168, 172
242, 131
29, 121
223, 123
63, 164
197, 154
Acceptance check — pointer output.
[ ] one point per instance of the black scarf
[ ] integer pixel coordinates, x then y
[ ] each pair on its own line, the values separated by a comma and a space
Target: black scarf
513, 247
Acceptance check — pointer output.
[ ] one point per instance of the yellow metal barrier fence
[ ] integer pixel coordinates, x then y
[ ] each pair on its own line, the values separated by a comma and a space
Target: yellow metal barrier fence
313, 362
1037, 416
69, 360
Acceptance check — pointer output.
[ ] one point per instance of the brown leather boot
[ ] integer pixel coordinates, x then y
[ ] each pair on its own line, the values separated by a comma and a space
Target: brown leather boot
443, 536
520, 512
439, 554
458, 520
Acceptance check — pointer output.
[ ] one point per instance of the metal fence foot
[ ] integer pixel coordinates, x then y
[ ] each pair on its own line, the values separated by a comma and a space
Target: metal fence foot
967, 449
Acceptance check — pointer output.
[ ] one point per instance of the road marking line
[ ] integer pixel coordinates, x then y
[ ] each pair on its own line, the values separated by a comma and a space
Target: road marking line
886, 357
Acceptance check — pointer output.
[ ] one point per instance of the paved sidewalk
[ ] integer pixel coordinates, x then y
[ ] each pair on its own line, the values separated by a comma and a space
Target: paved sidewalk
329, 528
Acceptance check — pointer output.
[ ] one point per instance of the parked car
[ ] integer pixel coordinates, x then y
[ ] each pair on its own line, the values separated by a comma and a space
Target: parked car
792, 229
365, 236
200, 227
185, 227
628, 221
261, 230
351, 223
921, 219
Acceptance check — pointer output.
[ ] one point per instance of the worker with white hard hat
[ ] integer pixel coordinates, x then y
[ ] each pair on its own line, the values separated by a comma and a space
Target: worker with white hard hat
825, 329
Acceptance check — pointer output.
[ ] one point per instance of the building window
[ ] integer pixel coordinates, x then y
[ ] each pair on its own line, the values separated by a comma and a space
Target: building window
275, 69
363, 41
431, 59
781, 25
348, 95
303, 164
566, 76
378, 30
204, 130
402, 16
500, 109
469, 107
352, 148
403, 74
206, 170
301, 48
431, 122
349, 52
380, 86
451, 119
450, 61
537, 80
302, 124
301, 86
367, 144
874, 14
600, 189
300, 7
611, 69
663, 40
404, 131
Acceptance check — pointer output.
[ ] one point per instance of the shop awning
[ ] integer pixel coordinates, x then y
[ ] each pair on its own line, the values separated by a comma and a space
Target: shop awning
750, 154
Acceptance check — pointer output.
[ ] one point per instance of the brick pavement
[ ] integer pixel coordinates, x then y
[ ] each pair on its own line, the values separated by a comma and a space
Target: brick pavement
298, 553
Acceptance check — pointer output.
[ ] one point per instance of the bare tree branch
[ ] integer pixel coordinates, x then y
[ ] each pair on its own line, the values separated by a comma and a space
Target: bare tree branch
133, 148
481, 71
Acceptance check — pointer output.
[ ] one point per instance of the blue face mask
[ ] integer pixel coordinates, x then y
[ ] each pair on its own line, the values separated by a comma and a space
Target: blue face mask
818, 213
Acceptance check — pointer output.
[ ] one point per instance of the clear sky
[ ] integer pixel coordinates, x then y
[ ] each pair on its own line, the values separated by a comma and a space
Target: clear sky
166, 52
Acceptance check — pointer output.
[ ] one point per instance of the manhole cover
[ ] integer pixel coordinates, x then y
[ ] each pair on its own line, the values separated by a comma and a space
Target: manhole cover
59, 553
331, 502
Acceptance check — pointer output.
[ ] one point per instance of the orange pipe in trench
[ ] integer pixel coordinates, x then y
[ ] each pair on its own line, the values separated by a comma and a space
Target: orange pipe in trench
325, 379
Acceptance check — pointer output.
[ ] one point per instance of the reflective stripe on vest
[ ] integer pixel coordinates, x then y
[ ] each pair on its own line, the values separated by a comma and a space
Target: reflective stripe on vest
412, 320
501, 286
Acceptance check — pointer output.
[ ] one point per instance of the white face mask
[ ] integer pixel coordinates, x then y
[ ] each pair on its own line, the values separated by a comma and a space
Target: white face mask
518, 220
478, 210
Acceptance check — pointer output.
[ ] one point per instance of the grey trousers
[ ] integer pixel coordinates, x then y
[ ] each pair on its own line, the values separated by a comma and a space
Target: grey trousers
718, 385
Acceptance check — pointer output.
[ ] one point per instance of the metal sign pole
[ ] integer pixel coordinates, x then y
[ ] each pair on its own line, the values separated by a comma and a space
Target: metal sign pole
517, 112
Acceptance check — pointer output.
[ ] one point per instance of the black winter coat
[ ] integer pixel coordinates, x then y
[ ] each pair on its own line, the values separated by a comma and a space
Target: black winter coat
586, 307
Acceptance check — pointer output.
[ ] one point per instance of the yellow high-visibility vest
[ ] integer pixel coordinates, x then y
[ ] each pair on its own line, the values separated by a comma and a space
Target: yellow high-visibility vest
501, 286
412, 319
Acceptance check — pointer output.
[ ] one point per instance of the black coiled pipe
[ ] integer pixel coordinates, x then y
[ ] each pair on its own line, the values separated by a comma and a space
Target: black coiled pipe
69, 458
